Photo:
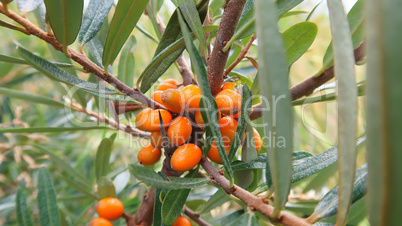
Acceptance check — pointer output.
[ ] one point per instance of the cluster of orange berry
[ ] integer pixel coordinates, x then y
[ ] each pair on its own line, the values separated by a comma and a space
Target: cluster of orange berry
179, 130
107, 209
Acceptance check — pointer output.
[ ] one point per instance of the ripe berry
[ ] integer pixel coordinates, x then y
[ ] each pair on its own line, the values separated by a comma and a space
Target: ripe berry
99, 221
181, 221
156, 139
186, 157
171, 81
229, 102
148, 119
179, 131
213, 153
228, 128
200, 121
192, 96
257, 140
173, 100
148, 155
157, 97
166, 85
110, 208
229, 85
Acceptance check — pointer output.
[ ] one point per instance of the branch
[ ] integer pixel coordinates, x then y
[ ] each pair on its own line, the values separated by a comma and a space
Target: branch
195, 217
240, 57
218, 59
308, 86
144, 215
252, 201
83, 60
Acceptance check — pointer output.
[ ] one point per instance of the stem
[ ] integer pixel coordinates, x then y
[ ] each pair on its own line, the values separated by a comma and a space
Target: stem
218, 59
195, 217
240, 57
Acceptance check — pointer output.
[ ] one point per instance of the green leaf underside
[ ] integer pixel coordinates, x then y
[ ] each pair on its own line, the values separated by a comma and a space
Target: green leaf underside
106, 188
25, 6
23, 215
150, 177
102, 158
46, 199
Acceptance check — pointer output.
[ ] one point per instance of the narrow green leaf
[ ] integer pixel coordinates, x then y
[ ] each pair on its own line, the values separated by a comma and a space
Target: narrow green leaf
30, 97
297, 39
174, 201
274, 83
65, 18
217, 199
150, 177
249, 151
79, 187
47, 203
102, 158
12, 26
157, 213
106, 188
60, 163
126, 16
329, 205
188, 9
125, 71
247, 219
347, 105
25, 6
23, 215
94, 17
210, 115
50, 129
14, 60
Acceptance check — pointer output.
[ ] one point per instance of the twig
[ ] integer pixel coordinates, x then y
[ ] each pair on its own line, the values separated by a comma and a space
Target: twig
308, 86
144, 214
240, 57
253, 202
218, 59
195, 217
80, 58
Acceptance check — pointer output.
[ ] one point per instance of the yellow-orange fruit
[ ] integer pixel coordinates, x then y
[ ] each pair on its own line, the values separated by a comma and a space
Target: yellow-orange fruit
171, 81
156, 139
229, 85
157, 97
229, 102
192, 96
110, 208
186, 157
99, 221
173, 100
213, 153
148, 119
228, 128
165, 85
179, 131
257, 140
181, 221
149, 155
200, 121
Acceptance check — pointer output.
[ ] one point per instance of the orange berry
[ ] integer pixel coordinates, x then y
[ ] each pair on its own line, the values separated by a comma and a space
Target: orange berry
213, 153
179, 131
173, 100
99, 221
257, 140
148, 119
229, 102
181, 221
149, 155
228, 128
164, 86
156, 139
229, 85
110, 208
192, 96
171, 81
186, 157
157, 97
200, 121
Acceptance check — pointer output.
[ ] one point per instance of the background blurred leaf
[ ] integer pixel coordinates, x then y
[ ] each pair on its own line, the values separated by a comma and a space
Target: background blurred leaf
47, 204
49, 129
102, 158
30, 97
106, 188
23, 216
25, 6
126, 71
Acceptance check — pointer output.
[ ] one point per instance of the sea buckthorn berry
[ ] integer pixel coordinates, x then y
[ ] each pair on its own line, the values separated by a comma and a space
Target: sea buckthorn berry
156, 139
173, 100
257, 140
179, 131
192, 96
229, 85
148, 119
229, 102
157, 97
200, 121
186, 157
165, 85
149, 155
99, 221
171, 81
181, 221
213, 153
228, 128
110, 208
